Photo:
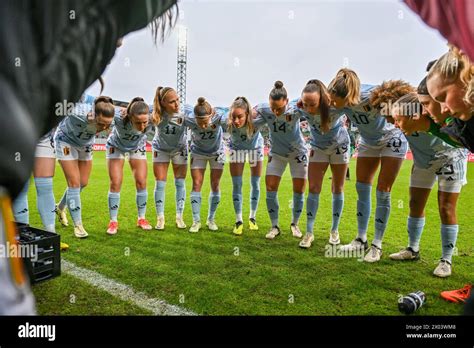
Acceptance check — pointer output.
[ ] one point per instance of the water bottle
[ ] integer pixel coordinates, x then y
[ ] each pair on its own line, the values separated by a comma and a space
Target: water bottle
411, 302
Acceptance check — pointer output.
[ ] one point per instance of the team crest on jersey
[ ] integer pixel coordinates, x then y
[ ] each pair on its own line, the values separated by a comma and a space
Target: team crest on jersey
178, 120
288, 118
66, 150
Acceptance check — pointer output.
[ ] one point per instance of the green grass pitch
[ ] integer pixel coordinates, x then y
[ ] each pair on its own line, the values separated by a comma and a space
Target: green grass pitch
217, 273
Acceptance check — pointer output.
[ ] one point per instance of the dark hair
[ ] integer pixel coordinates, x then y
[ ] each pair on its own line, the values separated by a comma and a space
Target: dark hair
430, 64
422, 88
104, 106
278, 92
166, 20
202, 108
316, 86
137, 106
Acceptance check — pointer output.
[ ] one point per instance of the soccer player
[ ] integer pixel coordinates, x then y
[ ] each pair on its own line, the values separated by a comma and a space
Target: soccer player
450, 81
330, 146
74, 139
128, 137
245, 142
433, 160
287, 147
43, 173
59, 69
206, 146
380, 144
169, 145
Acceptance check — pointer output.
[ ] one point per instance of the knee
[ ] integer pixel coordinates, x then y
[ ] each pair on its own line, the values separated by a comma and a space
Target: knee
447, 213
384, 187
197, 184
141, 184
215, 186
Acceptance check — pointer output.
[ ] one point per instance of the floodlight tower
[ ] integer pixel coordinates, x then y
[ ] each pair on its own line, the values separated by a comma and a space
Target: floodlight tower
182, 61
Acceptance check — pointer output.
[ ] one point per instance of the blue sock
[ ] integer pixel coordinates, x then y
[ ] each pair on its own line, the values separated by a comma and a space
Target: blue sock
449, 235
237, 196
73, 199
160, 197
254, 195
382, 213
214, 200
63, 202
20, 205
312, 205
45, 201
415, 229
337, 205
298, 203
363, 208
273, 206
180, 195
114, 205
196, 205
142, 197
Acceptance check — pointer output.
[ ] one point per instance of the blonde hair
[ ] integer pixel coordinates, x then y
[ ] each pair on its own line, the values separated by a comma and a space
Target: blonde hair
160, 95
454, 65
346, 85
242, 103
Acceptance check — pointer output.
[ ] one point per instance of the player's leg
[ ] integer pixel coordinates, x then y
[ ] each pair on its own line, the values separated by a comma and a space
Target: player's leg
139, 167
368, 161
115, 162
389, 169
217, 168
339, 171
299, 174
451, 178
275, 167
421, 183
180, 167
198, 169
255, 175
161, 162
43, 173
70, 166
316, 170
20, 206
236, 170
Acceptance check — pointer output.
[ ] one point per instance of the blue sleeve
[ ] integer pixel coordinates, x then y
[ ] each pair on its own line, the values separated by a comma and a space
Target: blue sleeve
87, 99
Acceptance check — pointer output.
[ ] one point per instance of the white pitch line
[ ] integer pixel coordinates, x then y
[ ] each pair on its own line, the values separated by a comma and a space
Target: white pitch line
122, 291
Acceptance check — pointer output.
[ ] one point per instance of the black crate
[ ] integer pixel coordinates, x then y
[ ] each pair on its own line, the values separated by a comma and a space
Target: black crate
47, 264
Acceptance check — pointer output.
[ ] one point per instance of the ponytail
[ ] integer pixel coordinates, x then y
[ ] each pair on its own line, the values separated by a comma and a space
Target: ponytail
346, 85
160, 94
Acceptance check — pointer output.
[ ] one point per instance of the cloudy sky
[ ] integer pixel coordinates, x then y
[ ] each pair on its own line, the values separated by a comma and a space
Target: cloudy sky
241, 47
